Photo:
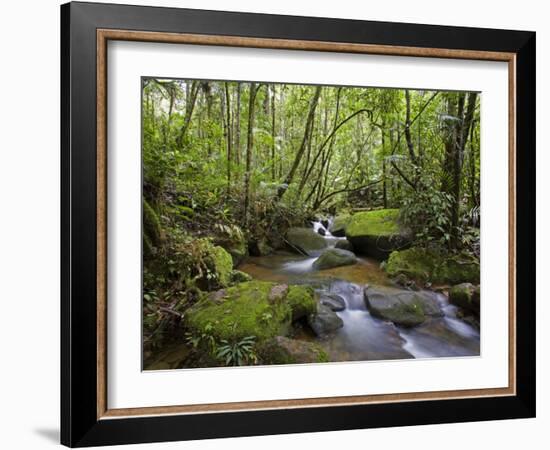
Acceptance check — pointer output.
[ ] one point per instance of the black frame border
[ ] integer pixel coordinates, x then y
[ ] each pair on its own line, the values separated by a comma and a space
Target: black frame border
79, 424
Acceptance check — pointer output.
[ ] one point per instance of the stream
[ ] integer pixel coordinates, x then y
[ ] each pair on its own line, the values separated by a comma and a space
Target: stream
364, 337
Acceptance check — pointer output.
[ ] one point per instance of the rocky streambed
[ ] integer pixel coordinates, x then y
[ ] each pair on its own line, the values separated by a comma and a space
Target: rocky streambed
361, 313
319, 299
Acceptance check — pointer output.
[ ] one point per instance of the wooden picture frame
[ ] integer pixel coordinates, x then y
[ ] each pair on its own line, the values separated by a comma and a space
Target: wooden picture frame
85, 416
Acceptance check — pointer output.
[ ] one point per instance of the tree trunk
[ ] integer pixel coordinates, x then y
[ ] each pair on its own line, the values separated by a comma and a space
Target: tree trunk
238, 126
228, 136
273, 135
461, 114
190, 100
249, 147
309, 122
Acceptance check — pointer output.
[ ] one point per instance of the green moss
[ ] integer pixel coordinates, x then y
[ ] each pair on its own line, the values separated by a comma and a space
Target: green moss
240, 277
222, 265
457, 269
382, 222
338, 226
322, 356
415, 263
291, 351
147, 245
301, 300
466, 296
428, 265
151, 223
233, 240
240, 311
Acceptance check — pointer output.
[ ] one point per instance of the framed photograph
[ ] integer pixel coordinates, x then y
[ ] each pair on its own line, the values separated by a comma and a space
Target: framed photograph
277, 224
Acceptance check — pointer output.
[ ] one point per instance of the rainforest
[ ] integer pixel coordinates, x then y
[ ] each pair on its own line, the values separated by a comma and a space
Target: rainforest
294, 224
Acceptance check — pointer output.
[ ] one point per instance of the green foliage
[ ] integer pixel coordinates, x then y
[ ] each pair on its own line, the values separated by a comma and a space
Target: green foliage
427, 215
237, 353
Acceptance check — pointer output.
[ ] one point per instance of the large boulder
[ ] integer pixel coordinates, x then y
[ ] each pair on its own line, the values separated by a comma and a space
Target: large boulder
377, 233
438, 267
466, 296
338, 226
402, 307
282, 350
305, 241
324, 321
334, 257
255, 308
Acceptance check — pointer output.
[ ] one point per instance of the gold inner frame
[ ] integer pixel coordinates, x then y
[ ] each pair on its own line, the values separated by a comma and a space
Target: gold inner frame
104, 35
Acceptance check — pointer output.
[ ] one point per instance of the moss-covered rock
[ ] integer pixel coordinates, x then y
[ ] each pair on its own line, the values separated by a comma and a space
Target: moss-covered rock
404, 308
466, 296
282, 350
334, 257
429, 265
377, 233
220, 264
238, 276
306, 241
301, 300
255, 308
152, 229
233, 240
240, 311
338, 226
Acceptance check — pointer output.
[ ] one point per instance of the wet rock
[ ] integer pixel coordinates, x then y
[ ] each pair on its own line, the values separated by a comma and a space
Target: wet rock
344, 244
305, 241
334, 257
325, 223
334, 301
322, 231
402, 307
324, 321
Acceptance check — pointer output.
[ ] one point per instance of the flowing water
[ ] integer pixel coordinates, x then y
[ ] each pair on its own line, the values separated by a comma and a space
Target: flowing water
364, 337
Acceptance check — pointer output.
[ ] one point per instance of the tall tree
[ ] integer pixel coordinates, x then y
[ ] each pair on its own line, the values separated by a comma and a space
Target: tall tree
307, 130
460, 114
228, 135
249, 147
